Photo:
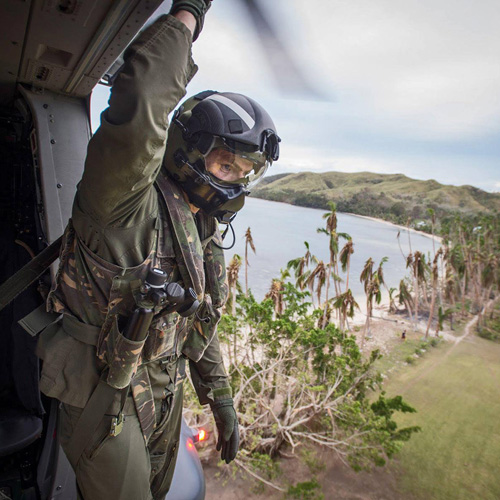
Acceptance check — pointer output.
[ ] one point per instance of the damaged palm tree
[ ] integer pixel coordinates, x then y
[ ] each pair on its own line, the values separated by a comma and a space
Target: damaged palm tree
307, 385
233, 270
248, 243
345, 304
372, 282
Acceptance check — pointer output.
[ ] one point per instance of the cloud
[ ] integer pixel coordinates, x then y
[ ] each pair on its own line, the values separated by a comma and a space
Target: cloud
228, 53
433, 65
413, 84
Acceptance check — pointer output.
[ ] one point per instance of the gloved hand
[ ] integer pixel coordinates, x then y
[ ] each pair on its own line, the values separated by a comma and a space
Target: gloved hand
227, 427
197, 7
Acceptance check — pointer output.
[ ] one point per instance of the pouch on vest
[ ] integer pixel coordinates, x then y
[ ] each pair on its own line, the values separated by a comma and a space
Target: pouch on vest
70, 370
125, 358
202, 331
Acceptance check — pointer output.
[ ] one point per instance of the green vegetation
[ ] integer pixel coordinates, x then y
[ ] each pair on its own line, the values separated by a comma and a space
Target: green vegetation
301, 379
456, 454
309, 490
298, 381
393, 198
491, 328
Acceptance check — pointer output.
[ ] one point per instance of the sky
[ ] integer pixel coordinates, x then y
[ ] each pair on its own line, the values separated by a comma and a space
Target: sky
395, 86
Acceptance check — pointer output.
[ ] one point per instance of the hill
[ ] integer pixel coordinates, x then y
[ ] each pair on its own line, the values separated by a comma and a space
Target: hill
393, 197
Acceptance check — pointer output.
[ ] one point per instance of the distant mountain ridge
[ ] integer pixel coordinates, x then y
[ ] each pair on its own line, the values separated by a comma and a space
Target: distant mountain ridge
393, 197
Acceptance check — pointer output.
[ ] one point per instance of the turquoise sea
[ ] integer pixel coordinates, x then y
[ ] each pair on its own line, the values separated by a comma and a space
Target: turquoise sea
279, 231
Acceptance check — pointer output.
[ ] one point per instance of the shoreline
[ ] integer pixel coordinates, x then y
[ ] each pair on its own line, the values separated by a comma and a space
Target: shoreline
436, 238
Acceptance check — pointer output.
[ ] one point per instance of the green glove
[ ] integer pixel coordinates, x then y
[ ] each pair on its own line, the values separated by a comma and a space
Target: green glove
227, 427
197, 7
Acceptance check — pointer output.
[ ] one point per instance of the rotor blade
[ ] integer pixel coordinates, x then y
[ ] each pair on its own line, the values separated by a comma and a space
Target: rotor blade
284, 67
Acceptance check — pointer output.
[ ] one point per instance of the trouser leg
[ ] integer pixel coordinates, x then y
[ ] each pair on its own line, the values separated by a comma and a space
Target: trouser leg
122, 467
115, 468
164, 445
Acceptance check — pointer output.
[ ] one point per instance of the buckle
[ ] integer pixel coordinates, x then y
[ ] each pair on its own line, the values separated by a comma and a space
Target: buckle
117, 425
168, 359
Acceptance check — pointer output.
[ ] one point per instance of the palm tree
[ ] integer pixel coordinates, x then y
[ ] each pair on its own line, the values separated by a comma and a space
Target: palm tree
400, 247
465, 247
408, 221
331, 217
435, 278
248, 243
331, 231
489, 277
276, 295
366, 279
332, 268
444, 259
380, 272
233, 271
318, 278
299, 265
372, 281
392, 304
416, 262
405, 298
345, 304
432, 214
345, 260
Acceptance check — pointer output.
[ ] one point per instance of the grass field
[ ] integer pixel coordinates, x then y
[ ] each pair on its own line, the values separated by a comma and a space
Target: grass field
456, 390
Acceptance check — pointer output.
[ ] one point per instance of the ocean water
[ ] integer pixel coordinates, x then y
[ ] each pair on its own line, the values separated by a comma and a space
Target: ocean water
279, 231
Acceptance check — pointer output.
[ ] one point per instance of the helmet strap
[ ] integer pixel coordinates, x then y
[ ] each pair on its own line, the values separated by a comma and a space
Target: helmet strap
224, 235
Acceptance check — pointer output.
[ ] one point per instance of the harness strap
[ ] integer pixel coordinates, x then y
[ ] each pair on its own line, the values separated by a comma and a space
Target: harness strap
38, 319
91, 416
31, 271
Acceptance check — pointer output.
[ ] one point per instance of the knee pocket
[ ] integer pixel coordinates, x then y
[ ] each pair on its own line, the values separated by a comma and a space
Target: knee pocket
162, 470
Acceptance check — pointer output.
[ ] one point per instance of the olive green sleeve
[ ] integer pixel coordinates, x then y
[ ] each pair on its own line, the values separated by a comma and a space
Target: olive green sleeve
125, 154
209, 376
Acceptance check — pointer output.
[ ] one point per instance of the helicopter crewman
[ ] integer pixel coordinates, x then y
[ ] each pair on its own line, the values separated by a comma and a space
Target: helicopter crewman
149, 203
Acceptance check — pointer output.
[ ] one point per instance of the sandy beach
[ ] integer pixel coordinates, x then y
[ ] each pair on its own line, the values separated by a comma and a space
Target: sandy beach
436, 238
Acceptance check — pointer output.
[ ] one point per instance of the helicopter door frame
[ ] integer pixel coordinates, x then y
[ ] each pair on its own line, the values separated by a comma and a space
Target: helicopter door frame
61, 133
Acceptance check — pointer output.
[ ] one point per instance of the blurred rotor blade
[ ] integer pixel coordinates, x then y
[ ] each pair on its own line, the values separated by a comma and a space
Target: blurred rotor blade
284, 67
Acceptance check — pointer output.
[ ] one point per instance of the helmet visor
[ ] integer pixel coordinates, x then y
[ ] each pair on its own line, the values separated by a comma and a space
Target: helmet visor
231, 165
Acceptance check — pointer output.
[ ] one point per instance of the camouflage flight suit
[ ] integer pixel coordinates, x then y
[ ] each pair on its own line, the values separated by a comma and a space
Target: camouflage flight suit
126, 217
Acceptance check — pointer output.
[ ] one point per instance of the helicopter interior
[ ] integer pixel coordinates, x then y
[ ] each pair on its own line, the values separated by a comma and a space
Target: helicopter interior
52, 55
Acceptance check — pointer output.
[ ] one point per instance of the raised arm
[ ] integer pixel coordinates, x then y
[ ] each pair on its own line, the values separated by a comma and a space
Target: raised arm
125, 154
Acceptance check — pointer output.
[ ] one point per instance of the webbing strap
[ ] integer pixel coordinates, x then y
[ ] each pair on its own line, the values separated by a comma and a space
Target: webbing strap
38, 319
89, 420
31, 271
88, 334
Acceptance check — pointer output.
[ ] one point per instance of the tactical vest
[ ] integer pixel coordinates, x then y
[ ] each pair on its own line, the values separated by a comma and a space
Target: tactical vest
96, 297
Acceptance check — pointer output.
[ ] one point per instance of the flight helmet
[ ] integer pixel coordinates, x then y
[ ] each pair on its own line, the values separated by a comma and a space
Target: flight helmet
219, 147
